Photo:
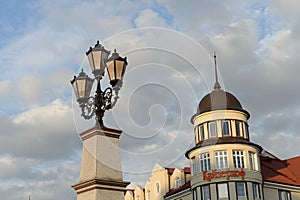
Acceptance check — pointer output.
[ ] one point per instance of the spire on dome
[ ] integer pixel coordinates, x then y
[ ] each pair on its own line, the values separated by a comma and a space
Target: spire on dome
217, 84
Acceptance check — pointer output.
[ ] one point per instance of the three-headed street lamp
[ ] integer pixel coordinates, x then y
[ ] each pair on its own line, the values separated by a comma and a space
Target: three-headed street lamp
82, 85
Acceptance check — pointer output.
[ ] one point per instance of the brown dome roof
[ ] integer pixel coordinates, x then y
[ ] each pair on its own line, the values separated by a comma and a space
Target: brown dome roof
219, 100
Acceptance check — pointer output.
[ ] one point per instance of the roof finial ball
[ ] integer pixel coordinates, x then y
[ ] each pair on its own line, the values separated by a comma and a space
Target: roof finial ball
217, 84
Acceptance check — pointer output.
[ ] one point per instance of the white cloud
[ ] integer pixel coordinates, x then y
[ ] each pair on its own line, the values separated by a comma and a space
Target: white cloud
42, 132
150, 18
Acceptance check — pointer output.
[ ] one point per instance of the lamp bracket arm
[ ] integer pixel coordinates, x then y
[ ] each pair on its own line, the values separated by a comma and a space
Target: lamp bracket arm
87, 108
116, 90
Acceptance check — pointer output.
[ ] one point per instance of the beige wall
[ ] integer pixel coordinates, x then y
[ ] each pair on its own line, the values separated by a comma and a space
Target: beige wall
128, 196
271, 191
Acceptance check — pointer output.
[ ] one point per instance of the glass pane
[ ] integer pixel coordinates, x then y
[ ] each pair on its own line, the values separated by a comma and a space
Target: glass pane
202, 132
90, 58
110, 69
212, 129
80, 88
223, 190
238, 128
119, 69
104, 58
205, 192
256, 192
288, 195
241, 189
225, 128
97, 59
247, 130
89, 85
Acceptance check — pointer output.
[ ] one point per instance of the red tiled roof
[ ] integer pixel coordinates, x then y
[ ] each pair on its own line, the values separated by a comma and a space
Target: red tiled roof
175, 190
170, 170
281, 171
187, 170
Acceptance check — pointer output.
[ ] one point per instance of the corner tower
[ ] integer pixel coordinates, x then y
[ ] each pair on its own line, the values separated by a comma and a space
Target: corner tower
224, 162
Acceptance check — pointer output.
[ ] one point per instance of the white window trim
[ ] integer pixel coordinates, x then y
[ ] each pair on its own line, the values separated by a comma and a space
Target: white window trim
221, 159
237, 156
202, 158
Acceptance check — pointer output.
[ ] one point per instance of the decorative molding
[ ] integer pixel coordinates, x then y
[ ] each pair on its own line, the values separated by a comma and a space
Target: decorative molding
100, 184
100, 130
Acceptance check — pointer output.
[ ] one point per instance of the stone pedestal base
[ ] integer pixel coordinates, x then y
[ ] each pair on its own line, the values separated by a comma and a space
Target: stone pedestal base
100, 190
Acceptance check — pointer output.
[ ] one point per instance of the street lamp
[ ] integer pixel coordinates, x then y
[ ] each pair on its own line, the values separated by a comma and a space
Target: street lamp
82, 85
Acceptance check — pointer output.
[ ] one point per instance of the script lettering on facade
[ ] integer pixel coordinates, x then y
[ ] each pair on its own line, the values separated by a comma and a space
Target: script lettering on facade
221, 174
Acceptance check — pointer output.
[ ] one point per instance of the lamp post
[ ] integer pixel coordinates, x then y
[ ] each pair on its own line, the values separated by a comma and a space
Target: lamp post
82, 85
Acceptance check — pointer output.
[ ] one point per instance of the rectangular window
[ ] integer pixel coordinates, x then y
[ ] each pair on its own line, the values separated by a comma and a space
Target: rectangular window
222, 190
196, 130
241, 189
238, 159
226, 128
212, 129
256, 191
238, 129
252, 160
193, 166
247, 130
195, 194
201, 132
177, 182
221, 160
204, 160
205, 192
284, 195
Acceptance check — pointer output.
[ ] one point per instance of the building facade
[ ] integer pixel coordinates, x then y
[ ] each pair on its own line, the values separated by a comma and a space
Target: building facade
224, 163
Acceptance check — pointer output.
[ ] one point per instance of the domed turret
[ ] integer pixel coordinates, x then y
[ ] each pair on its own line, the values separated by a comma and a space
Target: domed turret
219, 100
223, 155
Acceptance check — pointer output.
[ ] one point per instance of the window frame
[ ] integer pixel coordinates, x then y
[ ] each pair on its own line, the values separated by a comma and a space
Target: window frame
221, 159
239, 129
177, 182
218, 191
246, 130
201, 135
204, 162
256, 190
203, 194
228, 128
239, 160
252, 160
193, 166
212, 125
287, 195
244, 189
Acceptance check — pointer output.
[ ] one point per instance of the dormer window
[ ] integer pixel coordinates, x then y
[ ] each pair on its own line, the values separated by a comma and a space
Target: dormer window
177, 182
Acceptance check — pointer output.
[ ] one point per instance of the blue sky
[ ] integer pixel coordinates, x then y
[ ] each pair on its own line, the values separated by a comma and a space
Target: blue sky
43, 44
